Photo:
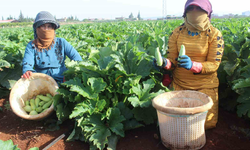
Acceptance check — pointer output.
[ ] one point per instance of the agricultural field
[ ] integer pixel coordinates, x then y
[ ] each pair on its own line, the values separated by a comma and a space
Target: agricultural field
106, 99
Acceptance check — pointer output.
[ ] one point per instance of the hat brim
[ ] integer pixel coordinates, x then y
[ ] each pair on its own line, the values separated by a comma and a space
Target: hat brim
192, 3
196, 4
39, 23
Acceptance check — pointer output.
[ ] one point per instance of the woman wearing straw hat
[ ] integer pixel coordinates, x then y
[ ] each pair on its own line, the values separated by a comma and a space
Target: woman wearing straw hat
197, 70
47, 53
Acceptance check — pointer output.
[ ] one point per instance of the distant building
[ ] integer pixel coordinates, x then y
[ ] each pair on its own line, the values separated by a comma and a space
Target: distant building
92, 19
8, 21
170, 17
62, 20
216, 16
161, 18
246, 13
119, 18
100, 19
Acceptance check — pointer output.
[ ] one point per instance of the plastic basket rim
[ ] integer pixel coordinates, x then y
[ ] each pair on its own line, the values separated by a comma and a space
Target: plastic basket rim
183, 111
181, 116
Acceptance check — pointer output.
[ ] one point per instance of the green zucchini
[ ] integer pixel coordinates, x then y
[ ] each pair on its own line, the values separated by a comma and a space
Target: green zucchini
49, 95
27, 108
47, 105
39, 109
45, 109
32, 104
182, 51
44, 98
27, 103
41, 103
158, 57
33, 112
37, 101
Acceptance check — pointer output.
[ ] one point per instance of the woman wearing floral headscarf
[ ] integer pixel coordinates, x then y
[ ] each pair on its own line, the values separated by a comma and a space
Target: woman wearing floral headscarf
197, 70
47, 53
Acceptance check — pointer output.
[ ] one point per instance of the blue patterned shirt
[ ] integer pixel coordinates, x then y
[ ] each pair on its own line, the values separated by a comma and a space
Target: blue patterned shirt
51, 62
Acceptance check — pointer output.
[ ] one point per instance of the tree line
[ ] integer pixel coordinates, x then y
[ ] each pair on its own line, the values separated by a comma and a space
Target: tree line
21, 18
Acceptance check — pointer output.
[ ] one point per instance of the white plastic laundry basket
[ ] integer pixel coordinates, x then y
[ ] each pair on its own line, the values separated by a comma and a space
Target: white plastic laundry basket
181, 116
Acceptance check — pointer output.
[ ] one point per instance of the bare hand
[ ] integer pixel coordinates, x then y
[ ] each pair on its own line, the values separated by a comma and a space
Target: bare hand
27, 75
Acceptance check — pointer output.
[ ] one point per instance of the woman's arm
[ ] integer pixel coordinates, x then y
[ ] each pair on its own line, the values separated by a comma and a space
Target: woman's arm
215, 52
70, 51
172, 53
28, 59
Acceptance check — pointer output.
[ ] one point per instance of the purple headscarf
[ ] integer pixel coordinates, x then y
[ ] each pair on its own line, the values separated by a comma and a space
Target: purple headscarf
203, 4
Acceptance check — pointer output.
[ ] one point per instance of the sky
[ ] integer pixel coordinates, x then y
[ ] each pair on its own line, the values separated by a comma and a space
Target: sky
110, 9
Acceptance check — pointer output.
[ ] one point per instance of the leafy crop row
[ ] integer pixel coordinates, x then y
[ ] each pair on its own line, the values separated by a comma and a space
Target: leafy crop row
111, 90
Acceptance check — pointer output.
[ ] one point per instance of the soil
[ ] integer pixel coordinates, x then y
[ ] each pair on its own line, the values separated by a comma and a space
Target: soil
231, 133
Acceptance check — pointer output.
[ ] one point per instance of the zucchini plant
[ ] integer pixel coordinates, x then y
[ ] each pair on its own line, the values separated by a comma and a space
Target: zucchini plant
109, 93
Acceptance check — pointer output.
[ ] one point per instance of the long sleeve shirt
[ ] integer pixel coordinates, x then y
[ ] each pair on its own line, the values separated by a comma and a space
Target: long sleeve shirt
50, 62
206, 48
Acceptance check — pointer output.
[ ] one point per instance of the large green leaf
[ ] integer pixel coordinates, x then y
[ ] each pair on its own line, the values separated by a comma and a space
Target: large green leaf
8, 145
242, 83
231, 66
8, 77
105, 63
132, 124
133, 62
243, 108
96, 130
147, 115
125, 111
112, 142
4, 63
99, 138
115, 121
144, 94
91, 89
79, 110
76, 134
244, 97
62, 112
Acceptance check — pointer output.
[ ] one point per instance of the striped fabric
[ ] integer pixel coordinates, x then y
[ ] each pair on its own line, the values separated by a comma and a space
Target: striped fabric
206, 47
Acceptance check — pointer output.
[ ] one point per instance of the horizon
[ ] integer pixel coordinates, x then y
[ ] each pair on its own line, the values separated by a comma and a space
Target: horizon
110, 9
180, 15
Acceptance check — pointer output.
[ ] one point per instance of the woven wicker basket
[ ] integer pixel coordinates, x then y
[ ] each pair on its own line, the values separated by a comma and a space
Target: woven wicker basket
181, 116
25, 89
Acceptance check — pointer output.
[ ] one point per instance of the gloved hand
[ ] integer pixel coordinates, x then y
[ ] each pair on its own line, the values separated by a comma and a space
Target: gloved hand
185, 62
27, 74
164, 64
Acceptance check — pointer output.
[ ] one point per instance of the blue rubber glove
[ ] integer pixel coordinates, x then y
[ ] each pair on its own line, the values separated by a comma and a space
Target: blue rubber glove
164, 64
185, 62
